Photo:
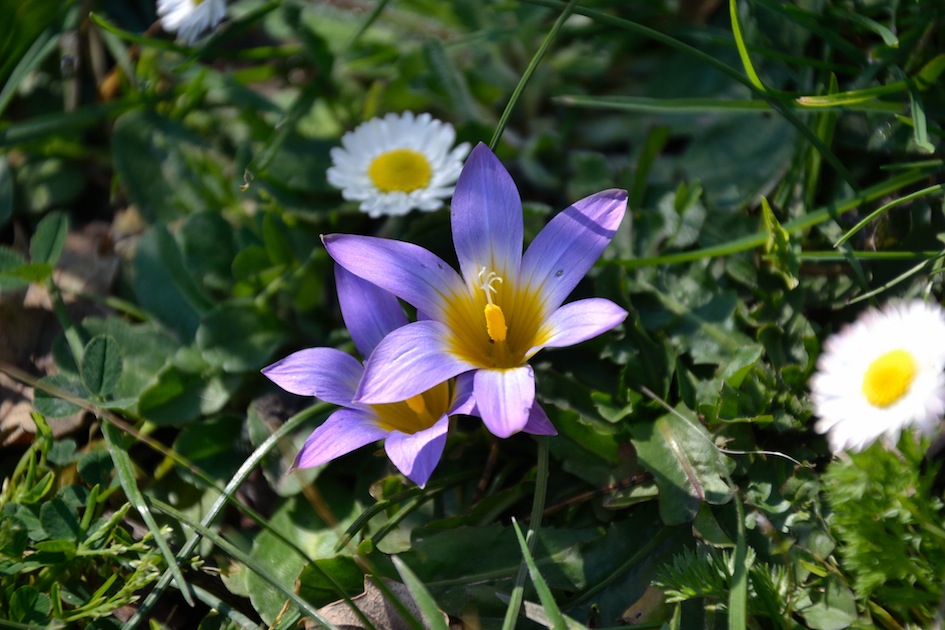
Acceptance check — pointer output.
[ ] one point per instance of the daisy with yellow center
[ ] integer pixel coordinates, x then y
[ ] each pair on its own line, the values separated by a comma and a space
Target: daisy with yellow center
397, 163
190, 18
882, 374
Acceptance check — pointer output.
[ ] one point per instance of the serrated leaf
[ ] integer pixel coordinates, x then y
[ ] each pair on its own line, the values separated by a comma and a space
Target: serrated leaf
101, 365
781, 252
49, 238
687, 466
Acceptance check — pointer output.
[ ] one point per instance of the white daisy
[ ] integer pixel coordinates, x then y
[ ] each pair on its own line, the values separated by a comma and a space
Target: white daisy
881, 374
397, 163
190, 18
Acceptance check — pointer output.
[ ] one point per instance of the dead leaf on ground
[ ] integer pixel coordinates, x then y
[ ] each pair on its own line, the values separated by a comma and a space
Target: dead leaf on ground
381, 612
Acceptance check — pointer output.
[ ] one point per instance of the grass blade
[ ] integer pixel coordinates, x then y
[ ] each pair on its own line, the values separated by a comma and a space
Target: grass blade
432, 615
541, 587
243, 557
742, 48
126, 476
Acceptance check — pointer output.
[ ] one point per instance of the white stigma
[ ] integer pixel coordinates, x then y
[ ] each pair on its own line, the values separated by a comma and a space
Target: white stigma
487, 284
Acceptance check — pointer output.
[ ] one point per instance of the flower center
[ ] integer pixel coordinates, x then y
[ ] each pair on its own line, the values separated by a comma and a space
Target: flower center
402, 170
889, 377
417, 412
495, 319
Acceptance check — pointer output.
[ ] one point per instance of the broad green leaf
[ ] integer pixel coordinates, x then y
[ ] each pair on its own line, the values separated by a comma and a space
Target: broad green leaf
164, 286
239, 337
46, 402
49, 238
59, 520
145, 350
833, 608
29, 606
101, 365
320, 580
687, 466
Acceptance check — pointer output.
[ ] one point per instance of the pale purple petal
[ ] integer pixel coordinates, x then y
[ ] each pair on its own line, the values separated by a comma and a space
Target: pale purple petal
369, 311
343, 431
505, 398
417, 454
486, 217
409, 271
409, 361
579, 321
538, 422
326, 373
463, 400
570, 245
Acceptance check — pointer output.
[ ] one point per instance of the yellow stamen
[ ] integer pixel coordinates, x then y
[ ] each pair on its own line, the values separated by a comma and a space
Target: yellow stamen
416, 404
495, 318
495, 323
889, 377
403, 170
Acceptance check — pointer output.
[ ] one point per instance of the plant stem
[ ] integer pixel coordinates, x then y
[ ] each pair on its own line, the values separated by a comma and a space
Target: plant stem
534, 524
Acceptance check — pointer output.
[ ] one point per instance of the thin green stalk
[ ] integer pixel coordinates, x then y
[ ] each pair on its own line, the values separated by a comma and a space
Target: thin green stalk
534, 525
244, 471
738, 596
931, 190
758, 239
532, 66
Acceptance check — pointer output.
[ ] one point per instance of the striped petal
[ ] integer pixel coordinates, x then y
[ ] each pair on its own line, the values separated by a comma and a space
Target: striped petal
417, 454
579, 321
505, 398
409, 271
326, 373
566, 249
486, 217
409, 361
343, 431
369, 311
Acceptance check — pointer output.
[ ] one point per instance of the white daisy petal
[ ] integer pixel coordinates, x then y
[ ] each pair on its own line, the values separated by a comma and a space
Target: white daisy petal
881, 375
398, 163
190, 18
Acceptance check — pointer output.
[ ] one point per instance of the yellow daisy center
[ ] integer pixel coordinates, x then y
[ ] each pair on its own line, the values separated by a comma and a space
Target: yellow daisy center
417, 412
403, 170
889, 377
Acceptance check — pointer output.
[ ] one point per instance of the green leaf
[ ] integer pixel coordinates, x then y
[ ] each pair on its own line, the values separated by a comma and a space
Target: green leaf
433, 617
49, 238
28, 605
46, 402
557, 622
833, 608
239, 337
101, 365
742, 47
321, 580
59, 520
781, 252
687, 466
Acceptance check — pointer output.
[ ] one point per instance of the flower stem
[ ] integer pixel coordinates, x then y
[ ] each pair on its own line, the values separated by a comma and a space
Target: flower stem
532, 66
534, 524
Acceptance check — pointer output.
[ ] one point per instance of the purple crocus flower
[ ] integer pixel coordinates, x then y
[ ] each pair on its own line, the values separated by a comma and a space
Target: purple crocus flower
414, 427
502, 308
